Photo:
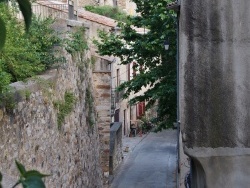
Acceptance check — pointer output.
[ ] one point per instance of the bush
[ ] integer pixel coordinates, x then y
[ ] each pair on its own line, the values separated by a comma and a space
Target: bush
109, 11
25, 54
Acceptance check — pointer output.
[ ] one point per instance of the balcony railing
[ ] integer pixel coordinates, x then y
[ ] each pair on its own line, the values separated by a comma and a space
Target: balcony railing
116, 97
48, 10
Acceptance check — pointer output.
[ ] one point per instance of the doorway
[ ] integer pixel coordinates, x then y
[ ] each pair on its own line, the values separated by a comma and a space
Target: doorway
124, 121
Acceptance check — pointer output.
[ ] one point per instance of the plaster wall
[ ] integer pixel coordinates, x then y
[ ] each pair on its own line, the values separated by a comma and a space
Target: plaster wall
214, 87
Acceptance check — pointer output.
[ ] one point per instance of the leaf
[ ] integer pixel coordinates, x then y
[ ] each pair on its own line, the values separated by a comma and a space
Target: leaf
34, 173
25, 7
33, 182
21, 168
2, 33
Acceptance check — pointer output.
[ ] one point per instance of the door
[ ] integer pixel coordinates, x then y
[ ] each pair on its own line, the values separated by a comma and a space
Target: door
117, 115
124, 122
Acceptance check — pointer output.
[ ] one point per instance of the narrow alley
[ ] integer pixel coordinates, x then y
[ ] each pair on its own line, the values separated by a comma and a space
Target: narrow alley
152, 164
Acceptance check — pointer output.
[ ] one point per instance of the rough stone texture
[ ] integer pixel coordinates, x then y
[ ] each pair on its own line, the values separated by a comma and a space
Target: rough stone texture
121, 4
83, 3
101, 84
30, 133
214, 86
115, 155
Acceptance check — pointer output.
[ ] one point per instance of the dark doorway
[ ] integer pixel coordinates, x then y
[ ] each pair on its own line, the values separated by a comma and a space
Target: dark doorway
124, 121
117, 115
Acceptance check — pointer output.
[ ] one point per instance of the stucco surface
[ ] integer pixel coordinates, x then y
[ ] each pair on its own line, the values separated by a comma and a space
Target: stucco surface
214, 90
214, 69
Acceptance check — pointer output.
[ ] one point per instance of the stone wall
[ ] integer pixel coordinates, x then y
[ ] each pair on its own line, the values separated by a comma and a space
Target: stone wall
30, 132
214, 90
115, 156
121, 4
101, 84
83, 3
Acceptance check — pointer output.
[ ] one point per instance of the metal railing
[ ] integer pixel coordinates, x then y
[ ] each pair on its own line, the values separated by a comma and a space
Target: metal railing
48, 10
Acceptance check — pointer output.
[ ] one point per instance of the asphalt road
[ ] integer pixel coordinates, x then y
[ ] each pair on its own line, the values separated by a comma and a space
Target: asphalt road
152, 164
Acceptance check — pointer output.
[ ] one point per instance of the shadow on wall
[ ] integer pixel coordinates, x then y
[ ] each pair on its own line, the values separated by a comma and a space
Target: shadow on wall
115, 156
197, 175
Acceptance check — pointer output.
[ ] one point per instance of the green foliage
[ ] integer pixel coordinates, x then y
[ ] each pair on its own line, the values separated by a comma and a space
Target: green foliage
28, 179
108, 11
31, 178
5, 78
89, 105
64, 107
25, 7
2, 33
25, 54
25, 93
158, 70
8, 101
18, 58
76, 41
44, 38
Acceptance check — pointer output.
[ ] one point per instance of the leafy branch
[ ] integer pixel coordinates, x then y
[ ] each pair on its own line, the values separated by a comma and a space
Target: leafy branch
156, 66
28, 179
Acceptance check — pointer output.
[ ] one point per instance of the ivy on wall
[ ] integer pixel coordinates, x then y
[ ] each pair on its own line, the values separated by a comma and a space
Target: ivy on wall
89, 106
64, 107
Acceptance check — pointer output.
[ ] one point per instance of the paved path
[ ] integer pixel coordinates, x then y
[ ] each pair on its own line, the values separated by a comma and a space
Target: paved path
152, 164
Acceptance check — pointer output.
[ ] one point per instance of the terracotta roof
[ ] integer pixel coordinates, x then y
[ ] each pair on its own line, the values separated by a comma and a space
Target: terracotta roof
83, 14
89, 15
96, 18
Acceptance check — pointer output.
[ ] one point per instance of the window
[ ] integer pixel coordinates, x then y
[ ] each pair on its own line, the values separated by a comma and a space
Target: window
140, 109
104, 64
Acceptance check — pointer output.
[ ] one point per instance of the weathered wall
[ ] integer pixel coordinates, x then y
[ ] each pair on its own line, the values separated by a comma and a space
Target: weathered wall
101, 84
214, 88
30, 133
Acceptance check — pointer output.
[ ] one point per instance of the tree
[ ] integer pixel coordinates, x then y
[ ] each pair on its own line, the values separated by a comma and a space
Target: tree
159, 65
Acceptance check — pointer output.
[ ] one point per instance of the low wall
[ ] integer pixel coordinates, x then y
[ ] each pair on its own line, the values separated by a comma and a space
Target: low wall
115, 156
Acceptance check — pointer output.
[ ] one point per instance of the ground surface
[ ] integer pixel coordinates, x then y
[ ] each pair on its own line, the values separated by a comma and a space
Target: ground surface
152, 164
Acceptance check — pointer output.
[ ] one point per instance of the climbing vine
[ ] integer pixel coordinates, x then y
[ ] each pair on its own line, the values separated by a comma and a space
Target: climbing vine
76, 42
64, 107
89, 106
